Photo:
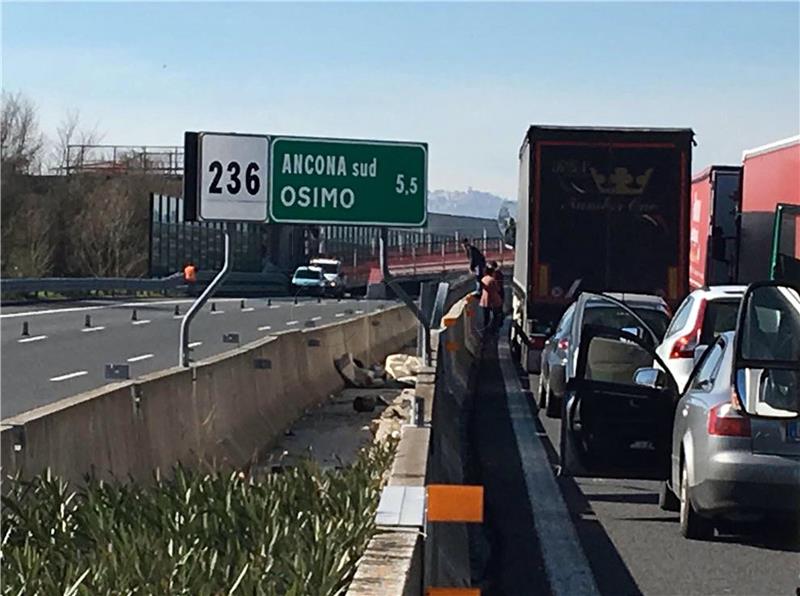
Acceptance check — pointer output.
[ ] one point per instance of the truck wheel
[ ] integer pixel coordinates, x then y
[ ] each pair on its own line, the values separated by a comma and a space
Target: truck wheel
667, 499
693, 526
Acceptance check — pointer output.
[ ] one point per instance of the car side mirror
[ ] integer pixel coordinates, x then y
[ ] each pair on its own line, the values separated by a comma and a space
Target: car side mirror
647, 377
698, 353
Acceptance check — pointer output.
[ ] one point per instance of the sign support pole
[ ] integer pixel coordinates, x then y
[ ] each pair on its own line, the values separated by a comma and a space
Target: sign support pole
402, 294
183, 351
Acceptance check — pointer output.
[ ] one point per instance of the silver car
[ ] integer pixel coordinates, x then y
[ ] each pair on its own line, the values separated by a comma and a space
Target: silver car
735, 441
729, 447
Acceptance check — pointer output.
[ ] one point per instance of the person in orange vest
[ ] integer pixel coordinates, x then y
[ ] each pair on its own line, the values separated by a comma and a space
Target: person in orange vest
490, 300
190, 273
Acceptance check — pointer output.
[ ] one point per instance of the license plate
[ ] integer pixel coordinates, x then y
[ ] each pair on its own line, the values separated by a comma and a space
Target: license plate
793, 432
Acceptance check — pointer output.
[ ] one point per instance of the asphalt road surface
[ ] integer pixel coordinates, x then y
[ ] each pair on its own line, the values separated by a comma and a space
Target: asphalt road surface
61, 357
634, 547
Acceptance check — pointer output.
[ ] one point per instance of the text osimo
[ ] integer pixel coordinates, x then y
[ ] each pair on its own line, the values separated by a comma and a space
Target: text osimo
322, 165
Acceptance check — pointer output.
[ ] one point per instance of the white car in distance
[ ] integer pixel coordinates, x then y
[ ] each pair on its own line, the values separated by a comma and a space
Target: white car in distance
701, 318
332, 272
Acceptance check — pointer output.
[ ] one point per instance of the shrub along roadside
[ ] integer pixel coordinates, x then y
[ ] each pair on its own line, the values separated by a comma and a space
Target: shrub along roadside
301, 531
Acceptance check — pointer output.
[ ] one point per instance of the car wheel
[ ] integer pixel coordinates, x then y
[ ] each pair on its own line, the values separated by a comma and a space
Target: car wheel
693, 526
667, 499
552, 405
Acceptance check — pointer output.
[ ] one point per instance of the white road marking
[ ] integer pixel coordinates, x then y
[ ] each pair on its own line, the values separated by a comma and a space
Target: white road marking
90, 329
249, 309
56, 311
142, 322
27, 340
316, 318
339, 314
359, 312
290, 323
217, 312
275, 306
72, 375
564, 560
265, 328
141, 357
194, 344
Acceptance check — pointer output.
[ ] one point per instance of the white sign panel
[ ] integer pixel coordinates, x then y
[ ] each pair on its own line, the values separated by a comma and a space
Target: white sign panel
233, 177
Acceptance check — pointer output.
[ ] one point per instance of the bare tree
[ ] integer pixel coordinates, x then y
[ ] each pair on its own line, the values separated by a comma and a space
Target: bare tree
107, 235
21, 142
29, 245
69, 134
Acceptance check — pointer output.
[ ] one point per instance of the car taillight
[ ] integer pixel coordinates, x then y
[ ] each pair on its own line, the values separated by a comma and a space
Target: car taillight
726, 420
684, 346
563, 343
537, 342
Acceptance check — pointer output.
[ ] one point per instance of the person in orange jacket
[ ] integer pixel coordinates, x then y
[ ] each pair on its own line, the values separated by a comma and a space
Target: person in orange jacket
190, 273
490, 300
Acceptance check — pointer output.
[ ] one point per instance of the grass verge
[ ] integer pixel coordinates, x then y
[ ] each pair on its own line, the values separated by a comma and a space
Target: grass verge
301, 531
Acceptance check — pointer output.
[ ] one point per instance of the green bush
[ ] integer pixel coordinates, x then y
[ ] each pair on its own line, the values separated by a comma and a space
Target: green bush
301, 531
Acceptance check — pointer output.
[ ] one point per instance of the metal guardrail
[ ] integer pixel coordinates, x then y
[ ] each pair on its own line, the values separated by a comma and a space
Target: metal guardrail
33, 285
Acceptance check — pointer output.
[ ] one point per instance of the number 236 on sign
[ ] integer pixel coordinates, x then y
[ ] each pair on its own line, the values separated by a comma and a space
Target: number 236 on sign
233, 174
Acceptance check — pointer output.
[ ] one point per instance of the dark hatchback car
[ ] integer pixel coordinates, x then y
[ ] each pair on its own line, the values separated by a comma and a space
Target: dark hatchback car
552, 379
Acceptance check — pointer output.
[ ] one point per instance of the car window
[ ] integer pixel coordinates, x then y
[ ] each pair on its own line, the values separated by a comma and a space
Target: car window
617, 318
307, 274
566, 322
681, 317
704, 379
771, 330
720, 317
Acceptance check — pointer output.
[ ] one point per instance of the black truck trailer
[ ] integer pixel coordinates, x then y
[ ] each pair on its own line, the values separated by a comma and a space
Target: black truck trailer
599, 209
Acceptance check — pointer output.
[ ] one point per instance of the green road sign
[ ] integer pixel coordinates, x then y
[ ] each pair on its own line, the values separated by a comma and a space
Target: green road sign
348, 182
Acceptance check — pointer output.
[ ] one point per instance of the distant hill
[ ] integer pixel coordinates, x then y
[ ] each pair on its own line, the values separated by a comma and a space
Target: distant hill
470, 202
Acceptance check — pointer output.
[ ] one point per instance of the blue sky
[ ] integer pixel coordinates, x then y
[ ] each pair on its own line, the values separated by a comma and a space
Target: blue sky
465, 77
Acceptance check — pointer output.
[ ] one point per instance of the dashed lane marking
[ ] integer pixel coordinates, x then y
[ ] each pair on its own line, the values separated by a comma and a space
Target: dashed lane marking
249, 309
194, 344
142, 322
290, 323
91, 329
72, 375
265, 328
140, 357
27, 340
339, 314
316, 318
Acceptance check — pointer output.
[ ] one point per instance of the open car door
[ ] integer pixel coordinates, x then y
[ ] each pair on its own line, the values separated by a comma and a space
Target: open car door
766, 371
610, 425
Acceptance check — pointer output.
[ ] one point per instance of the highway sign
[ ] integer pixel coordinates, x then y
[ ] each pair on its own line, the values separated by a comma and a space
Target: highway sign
341, 181
227, 177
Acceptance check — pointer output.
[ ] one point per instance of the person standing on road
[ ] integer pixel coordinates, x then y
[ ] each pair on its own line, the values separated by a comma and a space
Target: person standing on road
477, 263
501, 290
490, 300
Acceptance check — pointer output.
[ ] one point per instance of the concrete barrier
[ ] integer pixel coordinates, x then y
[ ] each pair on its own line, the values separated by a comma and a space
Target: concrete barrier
223, 411
406, 560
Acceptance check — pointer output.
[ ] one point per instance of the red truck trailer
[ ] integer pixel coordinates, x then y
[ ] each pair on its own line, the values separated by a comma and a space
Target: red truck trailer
712, 248
770, 177
599, 209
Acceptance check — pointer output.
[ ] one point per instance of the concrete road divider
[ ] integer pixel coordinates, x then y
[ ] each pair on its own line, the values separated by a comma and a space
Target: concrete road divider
433, 557
224, 410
